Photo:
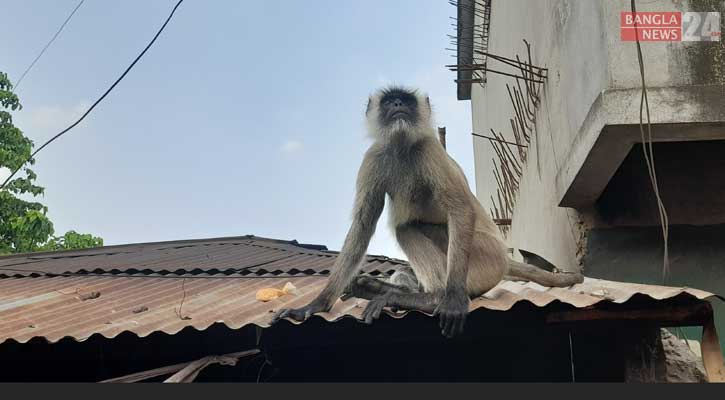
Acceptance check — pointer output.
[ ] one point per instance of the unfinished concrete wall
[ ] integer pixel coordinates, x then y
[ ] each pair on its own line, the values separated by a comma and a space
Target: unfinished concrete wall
587, 123
567, 37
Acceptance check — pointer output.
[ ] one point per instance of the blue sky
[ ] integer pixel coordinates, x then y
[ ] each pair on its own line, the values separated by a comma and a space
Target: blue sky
246, 117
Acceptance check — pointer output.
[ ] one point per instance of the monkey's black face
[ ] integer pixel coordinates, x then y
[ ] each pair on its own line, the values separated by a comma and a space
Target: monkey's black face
398, 105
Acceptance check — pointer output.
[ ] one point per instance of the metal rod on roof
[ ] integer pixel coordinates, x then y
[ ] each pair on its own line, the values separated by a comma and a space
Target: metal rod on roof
456, 38
498, 140
535, 90
530, 86
512, 173
466, 26
529, 115
499, 179
153, 373
504, 186
514, 63
503, 205
479, 80
506, 149
504, 157
521, 148
520, 118
483, 67
517, 133
529, 112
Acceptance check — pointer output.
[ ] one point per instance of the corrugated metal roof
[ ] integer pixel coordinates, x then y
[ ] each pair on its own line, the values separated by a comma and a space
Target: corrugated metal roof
242, 255
53, 307
168, 286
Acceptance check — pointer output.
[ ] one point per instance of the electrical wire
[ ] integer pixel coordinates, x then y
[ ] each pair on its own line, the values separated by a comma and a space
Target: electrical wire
649, 153
17, 84
128, 69
571, 358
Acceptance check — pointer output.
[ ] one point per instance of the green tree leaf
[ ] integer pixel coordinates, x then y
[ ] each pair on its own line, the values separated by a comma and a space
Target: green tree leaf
24, 225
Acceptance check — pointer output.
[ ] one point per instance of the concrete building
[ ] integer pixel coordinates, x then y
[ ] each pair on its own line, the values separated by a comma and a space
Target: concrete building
584, 197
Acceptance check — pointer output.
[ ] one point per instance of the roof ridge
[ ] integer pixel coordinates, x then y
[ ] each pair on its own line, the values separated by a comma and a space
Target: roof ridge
101, 249
183, 272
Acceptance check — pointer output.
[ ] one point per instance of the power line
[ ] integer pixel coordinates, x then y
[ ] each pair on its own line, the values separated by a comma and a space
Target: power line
47, 45
649, 156
99, 99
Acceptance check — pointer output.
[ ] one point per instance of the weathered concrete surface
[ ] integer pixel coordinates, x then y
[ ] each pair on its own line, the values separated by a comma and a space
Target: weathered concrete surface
683, 366
612, 127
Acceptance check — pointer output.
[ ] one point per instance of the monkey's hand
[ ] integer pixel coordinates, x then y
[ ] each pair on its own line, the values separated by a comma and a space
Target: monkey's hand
299, 314
453, 310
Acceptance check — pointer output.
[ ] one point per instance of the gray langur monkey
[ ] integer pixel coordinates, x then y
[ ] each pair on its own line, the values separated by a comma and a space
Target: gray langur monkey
455, 250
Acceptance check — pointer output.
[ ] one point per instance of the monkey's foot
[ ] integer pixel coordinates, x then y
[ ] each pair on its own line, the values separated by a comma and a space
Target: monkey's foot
297, 314
374, 308
452, 310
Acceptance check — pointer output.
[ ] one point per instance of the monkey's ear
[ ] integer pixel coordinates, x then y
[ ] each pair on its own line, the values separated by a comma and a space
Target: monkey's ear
427, 101
367, 109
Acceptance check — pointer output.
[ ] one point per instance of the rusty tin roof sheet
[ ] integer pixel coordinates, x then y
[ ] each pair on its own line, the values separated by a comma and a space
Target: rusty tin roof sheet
168, 286
81, 306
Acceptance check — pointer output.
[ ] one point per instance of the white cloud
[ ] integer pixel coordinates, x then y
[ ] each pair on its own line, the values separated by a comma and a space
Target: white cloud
47, 119
291, 147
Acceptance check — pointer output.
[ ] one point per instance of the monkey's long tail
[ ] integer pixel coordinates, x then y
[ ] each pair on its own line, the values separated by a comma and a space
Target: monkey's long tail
518, 271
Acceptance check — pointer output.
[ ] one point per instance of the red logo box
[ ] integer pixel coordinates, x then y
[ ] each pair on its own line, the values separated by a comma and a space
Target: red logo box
651, 26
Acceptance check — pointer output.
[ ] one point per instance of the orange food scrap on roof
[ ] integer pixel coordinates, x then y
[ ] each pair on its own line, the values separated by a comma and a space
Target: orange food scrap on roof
268, 294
